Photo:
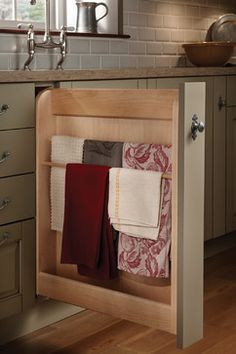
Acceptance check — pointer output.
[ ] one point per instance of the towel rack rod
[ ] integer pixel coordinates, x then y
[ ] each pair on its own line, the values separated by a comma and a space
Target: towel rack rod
61, 165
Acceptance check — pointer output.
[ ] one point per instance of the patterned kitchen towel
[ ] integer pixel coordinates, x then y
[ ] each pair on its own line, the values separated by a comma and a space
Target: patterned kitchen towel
105, 153
137, 255
64, 149
134, 201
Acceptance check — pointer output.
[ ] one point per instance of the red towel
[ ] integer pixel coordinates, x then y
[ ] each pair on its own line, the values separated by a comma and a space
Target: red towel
87, 233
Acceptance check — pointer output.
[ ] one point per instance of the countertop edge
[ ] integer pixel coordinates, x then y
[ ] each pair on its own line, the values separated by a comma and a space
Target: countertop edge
8, 76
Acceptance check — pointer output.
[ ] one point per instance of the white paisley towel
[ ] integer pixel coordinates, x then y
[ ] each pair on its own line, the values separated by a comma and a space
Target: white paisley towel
134, 201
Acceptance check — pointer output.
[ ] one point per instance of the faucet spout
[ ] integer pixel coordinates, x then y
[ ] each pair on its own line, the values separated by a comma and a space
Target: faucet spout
47, 42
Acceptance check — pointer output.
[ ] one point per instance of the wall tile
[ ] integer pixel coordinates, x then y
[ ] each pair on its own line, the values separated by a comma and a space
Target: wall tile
157, 30
137, 19
147, 6
147, 34
90, 62
130, 5
99, 46
119, 47
137, 48
79, 46
129, 61
155, 21
171, 22
146, 62
109, 61
163, 34
170, 48
154, 48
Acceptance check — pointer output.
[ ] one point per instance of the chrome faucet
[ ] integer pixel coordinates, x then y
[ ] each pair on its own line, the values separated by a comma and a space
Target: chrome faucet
47, 42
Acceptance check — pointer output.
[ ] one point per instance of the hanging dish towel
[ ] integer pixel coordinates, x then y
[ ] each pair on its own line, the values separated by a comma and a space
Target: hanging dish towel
64, 149
87, 234
67, 149
139, 255
134, 201
105, 153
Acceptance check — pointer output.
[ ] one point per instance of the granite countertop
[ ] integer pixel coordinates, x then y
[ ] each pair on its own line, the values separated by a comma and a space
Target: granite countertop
109, 74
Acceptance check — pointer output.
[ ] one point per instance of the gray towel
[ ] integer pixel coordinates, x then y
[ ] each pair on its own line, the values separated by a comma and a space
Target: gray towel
104, 153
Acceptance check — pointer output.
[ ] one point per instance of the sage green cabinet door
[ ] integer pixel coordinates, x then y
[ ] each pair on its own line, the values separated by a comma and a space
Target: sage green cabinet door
17, 152
20, 100
10, 270
17, 198
17, 267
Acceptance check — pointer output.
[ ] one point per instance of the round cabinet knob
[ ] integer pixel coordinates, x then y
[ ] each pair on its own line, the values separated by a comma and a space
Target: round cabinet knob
197, 126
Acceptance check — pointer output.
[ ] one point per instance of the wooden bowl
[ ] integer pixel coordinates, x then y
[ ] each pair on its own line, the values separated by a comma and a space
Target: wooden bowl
208, 53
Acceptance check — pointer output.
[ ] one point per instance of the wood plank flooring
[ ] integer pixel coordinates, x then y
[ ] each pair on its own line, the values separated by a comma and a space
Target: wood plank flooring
90, 332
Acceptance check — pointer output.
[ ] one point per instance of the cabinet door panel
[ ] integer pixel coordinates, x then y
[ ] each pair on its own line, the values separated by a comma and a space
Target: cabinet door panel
20, 145
21, 111
10, 269
20, 192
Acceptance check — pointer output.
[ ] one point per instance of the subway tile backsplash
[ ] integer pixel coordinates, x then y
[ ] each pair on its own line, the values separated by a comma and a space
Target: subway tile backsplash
157, 29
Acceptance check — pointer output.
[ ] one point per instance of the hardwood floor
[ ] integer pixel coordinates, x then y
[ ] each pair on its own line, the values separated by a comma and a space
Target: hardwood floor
90, 332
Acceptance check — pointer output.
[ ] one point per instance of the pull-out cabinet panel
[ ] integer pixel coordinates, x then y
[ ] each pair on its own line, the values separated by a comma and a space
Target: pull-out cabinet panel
142, 116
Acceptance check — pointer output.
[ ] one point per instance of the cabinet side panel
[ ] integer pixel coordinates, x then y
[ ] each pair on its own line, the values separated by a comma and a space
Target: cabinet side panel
191, 219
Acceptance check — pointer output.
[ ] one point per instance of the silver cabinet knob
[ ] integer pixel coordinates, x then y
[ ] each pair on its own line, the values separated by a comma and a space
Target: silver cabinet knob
4, 203
4, 108
5, 237
4, 156
197, 126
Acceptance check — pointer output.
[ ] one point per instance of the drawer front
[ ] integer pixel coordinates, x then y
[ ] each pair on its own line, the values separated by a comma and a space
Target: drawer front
17, 152
20, 100
17, 198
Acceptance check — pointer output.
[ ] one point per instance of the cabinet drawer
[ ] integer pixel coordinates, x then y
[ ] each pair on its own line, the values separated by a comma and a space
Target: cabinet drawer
19, 98
17, 198
17, 152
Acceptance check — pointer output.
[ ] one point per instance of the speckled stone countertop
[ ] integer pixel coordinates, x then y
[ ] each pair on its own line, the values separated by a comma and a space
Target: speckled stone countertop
109, 74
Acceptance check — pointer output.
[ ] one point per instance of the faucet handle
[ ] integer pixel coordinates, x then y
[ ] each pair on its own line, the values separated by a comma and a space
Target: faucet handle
29, 26
69, 28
